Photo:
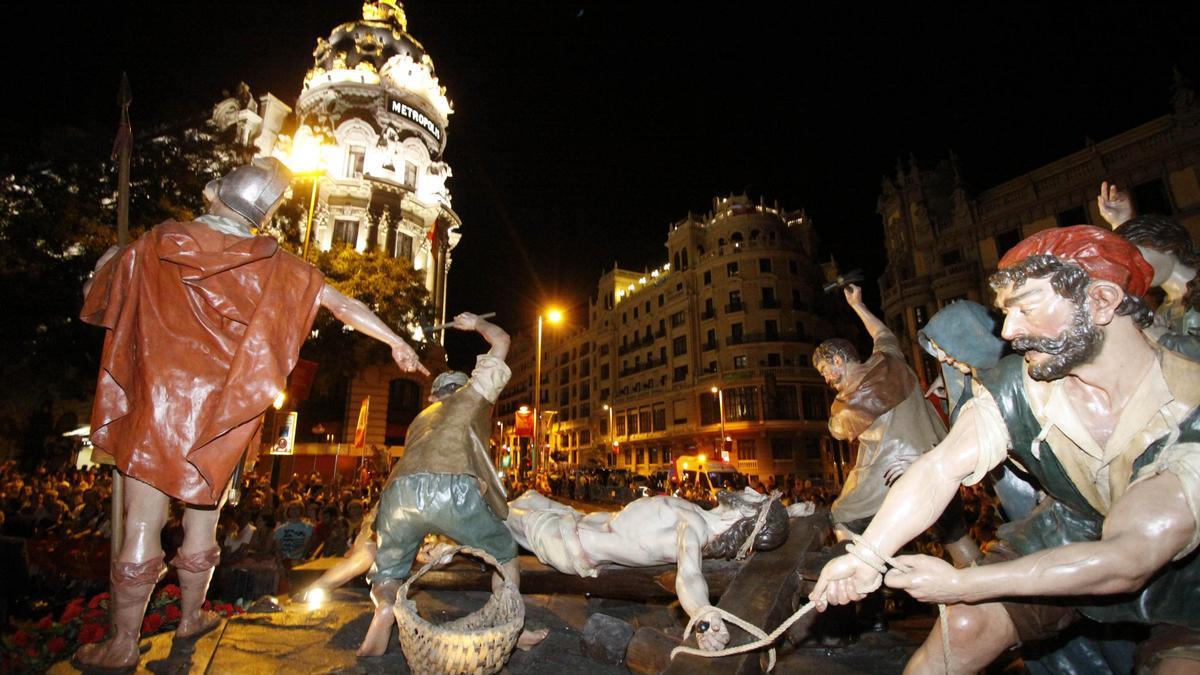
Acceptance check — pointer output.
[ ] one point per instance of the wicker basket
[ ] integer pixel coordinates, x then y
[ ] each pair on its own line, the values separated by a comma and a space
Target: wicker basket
479, 643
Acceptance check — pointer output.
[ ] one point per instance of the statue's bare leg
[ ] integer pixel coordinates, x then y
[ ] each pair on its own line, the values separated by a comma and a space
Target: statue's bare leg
195, 562
383, 594
978, 635
133, 575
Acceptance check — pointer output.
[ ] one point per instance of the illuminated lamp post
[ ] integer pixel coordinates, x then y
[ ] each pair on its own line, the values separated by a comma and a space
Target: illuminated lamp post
306, 160
553, 316
721, 407
612, 437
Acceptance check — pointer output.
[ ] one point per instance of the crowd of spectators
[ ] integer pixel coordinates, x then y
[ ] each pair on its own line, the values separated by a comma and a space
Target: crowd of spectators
45, 503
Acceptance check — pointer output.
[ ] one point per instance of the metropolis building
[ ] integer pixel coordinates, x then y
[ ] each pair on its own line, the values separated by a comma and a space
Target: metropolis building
943, 240
374, 114
735, 307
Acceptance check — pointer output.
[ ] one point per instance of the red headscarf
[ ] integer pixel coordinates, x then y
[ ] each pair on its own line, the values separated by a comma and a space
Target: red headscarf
1100, 252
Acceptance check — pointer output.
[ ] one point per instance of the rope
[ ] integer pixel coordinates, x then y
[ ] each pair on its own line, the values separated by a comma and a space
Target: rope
879, 564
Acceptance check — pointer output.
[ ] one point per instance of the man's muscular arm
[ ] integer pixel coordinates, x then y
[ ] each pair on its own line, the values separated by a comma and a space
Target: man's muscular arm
691, 587
496, 337
355, 314
913, 504
874, 326
1147, 528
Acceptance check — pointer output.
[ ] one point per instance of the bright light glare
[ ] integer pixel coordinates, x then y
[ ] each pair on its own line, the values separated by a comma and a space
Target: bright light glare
279, 399
305, 156
315, 598
554, 316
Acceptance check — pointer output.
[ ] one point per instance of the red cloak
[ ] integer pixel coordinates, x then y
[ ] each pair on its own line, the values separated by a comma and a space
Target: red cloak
202, 331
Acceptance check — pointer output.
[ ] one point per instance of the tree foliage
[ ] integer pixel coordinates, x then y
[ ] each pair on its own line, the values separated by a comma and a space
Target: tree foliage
58, 215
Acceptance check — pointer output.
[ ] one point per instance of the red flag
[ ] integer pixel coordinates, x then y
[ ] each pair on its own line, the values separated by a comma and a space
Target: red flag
433, 233
124, 137
360, 431
524, 424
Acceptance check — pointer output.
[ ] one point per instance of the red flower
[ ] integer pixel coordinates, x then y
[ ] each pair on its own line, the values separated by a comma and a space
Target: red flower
99, 600
94, 615
92, 632
77, 601
71, 612
152, 623
171, 590
46, 622
207, 605
173, 613
56, 644
21, 638
32, 653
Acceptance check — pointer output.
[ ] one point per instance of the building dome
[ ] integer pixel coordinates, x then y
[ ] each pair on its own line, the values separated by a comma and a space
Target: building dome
369, 43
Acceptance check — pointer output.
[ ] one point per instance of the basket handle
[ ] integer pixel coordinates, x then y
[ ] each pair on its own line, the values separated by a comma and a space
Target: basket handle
469, 550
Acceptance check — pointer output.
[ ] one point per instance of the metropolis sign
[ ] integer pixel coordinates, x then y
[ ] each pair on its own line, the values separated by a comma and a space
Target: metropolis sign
416, 116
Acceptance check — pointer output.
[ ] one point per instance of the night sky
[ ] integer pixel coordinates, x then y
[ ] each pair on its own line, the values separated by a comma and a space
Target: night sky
582, 130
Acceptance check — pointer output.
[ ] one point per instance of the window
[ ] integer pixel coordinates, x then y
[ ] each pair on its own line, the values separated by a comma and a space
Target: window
764, 264
628, 456
797, 303
659, 417
355, 158
1007, 240
647, 307
741, 404
345, 231
800, 333
1151, 197
710, 408
709, 310
585, 391
604, 426
660, 299
644, 420
685, 260
641, 456
769, 300
604, 350
781, 449
951, 258
735, 301
747, 449
631, 419
731, 269
773, 360
813, 399
653, 455
604, 371
710, 341
708, 277
635, 312
624, 317
782, 404
680, 415
604, 394
680, 374
739, 362
678, 318
679, 345
1074, 216
712, 367
771, 328
793, 267
410, 175
404, 246
736, 334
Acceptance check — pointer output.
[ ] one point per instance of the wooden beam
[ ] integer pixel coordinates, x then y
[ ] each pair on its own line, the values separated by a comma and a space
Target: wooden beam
762, 594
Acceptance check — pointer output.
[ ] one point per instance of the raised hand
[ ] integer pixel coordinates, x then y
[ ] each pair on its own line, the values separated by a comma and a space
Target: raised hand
853, 295
1115, 206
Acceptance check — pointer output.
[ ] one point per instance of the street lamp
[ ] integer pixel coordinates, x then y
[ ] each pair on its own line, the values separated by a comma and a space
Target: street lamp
554, 316
306, 160
612, 438
721, 407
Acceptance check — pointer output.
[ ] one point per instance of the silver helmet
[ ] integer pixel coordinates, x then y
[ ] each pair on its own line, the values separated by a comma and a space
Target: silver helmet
252, 190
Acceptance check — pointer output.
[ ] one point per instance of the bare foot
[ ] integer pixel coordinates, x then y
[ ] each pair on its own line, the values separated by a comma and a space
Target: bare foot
194, 627
531, 638
116, 653
380, 630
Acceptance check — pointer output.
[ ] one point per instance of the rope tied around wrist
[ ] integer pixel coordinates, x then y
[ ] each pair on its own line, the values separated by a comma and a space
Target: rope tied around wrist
859, 548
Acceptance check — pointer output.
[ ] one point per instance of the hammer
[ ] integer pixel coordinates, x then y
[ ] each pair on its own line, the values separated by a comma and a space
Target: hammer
429, 330
844, 280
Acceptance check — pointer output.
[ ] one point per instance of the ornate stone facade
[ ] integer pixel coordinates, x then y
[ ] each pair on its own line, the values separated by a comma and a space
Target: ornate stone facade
943, 239
737, 306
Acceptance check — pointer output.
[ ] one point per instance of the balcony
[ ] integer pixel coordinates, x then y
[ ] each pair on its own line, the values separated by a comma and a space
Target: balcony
735, 340
735, 307
708, 314
708, 346
771, 303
